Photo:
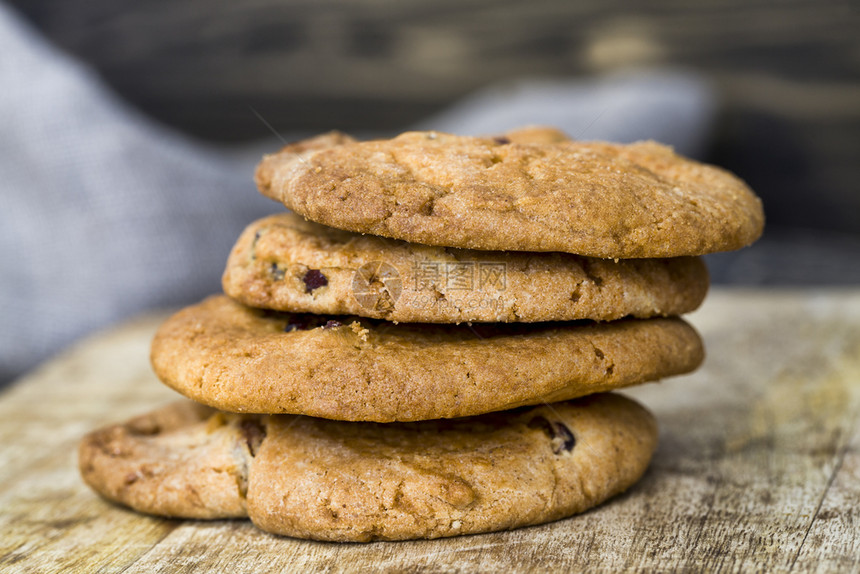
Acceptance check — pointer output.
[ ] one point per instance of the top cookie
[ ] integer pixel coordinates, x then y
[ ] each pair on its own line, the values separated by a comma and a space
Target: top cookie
507, 193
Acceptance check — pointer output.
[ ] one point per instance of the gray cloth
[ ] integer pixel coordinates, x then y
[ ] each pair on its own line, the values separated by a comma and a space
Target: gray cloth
668, 106
105, 214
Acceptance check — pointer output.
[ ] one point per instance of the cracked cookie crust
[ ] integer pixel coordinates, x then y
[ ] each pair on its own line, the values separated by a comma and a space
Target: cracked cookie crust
594, 199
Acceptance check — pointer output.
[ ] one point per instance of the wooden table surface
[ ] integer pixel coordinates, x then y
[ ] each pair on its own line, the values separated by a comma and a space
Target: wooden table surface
757, 468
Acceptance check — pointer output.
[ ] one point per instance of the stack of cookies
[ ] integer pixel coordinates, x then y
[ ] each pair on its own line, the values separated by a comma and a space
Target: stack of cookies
424, 345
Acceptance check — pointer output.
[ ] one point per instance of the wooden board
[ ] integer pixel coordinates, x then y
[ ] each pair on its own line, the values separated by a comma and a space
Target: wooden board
758, 466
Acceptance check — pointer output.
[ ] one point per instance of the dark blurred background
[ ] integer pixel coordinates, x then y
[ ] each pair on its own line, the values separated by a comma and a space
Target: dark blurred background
785, 78
787, 73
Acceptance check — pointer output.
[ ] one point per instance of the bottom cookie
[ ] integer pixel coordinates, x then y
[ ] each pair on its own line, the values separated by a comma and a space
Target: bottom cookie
347, 481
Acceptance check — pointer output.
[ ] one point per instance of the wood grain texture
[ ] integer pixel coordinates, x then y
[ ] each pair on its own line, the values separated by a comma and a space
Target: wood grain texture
758, 467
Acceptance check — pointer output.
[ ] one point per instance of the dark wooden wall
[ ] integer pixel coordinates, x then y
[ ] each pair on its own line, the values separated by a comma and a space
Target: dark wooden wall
788, 72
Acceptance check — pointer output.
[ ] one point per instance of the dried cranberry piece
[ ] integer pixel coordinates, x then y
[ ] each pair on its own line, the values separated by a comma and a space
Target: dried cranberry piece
253, 432
314, 279
277, 272
560, 436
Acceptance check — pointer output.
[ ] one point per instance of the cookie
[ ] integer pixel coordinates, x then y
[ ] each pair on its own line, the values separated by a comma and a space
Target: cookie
588, 198
533, 135
286, 263
330, 480
235, 358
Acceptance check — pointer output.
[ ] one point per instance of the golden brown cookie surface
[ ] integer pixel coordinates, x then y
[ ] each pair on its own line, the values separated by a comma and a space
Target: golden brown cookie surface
329, 480
240, 359
589, 198
286, 263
